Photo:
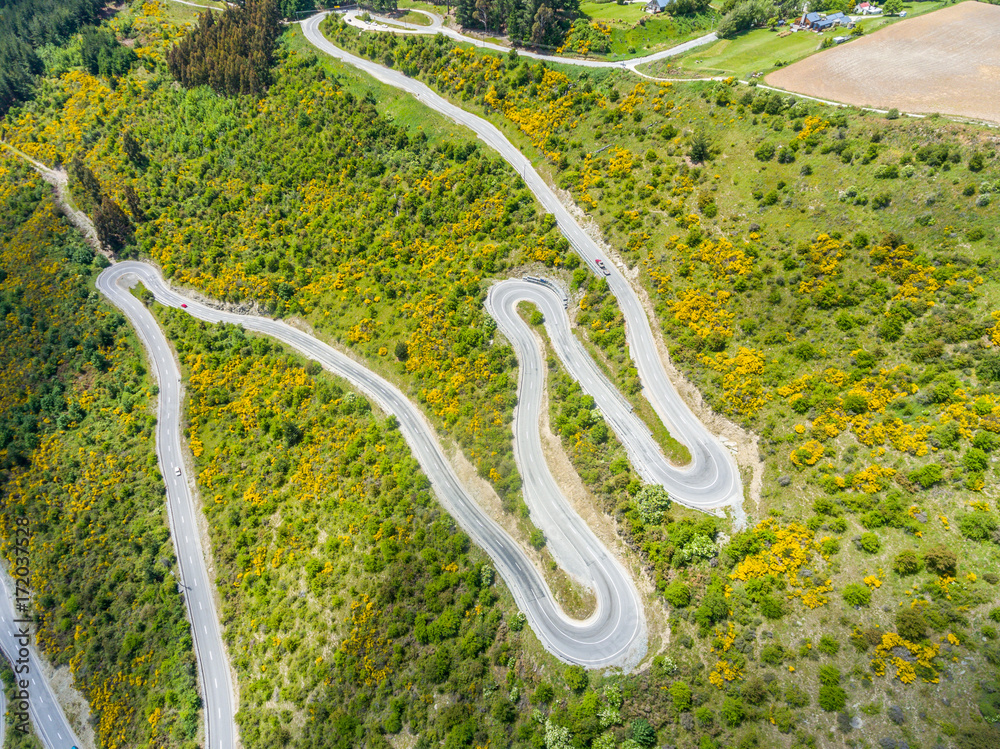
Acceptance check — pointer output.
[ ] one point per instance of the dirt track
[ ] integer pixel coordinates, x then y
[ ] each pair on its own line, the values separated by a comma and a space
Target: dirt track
947, 61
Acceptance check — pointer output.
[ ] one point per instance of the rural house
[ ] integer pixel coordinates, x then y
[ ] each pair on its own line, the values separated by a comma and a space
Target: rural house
657, 6
840, 19
867, 9
809, 20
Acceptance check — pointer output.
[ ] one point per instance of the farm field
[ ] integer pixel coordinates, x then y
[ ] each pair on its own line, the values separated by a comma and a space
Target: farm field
947, 61
761, 50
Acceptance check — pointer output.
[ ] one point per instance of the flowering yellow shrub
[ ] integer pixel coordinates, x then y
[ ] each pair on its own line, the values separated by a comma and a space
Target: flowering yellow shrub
825, 254
704, 312
742, 390
724, 258
812, 125
906, 671
808, 454
366, 644
724, 673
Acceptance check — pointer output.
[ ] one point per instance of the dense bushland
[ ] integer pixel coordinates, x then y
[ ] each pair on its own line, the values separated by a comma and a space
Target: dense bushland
826, 278
350, 593
78, 461
25, 27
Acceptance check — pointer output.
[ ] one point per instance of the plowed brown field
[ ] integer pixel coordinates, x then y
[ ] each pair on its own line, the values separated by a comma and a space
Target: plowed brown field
947, 61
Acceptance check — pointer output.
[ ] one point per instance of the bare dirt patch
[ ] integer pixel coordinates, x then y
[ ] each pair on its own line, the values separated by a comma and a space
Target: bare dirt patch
947, 61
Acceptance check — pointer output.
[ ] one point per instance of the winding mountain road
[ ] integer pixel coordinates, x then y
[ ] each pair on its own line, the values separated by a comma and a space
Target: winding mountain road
701, 484
47, 716
353, 17
615, 635
712, 467
197, 586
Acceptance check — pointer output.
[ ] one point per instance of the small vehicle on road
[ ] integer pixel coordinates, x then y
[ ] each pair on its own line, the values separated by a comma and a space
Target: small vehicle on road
600, 264
177, 470
184, 306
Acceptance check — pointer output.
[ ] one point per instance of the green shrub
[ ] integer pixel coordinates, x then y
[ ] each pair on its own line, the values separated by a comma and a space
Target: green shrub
941, 560
832, 698
678, 594
643, 733
829, 676
975, 460
795, 696
870, 543
977, 525
543, 694
828, 646
732, 712
906, 562
857, 594
771, 607
576, 678
911, 624
680, 692
927, 476
537, 538
772, 654
765, 152
882, 200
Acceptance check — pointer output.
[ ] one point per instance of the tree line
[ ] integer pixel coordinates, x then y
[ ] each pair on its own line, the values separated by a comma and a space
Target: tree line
231, 52
26, 25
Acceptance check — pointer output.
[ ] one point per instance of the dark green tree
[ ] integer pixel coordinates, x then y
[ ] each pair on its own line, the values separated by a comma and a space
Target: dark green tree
114, 228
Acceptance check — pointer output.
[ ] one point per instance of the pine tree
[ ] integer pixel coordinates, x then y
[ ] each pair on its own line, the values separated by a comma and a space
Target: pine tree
113, 227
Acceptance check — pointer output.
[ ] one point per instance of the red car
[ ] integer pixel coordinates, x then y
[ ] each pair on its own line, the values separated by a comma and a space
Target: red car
184, 306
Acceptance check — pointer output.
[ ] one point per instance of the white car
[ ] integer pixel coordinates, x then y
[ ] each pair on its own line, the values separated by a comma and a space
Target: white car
177, 470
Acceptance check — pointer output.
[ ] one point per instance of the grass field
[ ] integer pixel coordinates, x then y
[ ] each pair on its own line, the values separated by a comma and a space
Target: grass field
763, 50
755, 51
630, 39
417, 19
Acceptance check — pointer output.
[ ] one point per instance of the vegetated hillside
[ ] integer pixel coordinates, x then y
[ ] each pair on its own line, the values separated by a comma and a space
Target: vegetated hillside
827, 279
26, 26
232, 52
722, 685
77, 461
352, 597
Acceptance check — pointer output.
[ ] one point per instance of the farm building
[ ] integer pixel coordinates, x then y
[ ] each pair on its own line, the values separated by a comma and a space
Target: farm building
840, 19
657, 6
867, 9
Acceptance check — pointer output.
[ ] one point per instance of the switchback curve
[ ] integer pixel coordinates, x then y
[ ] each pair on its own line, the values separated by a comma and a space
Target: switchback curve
614, 635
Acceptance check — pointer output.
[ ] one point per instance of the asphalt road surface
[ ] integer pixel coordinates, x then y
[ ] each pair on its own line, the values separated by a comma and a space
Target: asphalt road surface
47, 716
615, 635
213, 664
703, 484
708, 456
401, 27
